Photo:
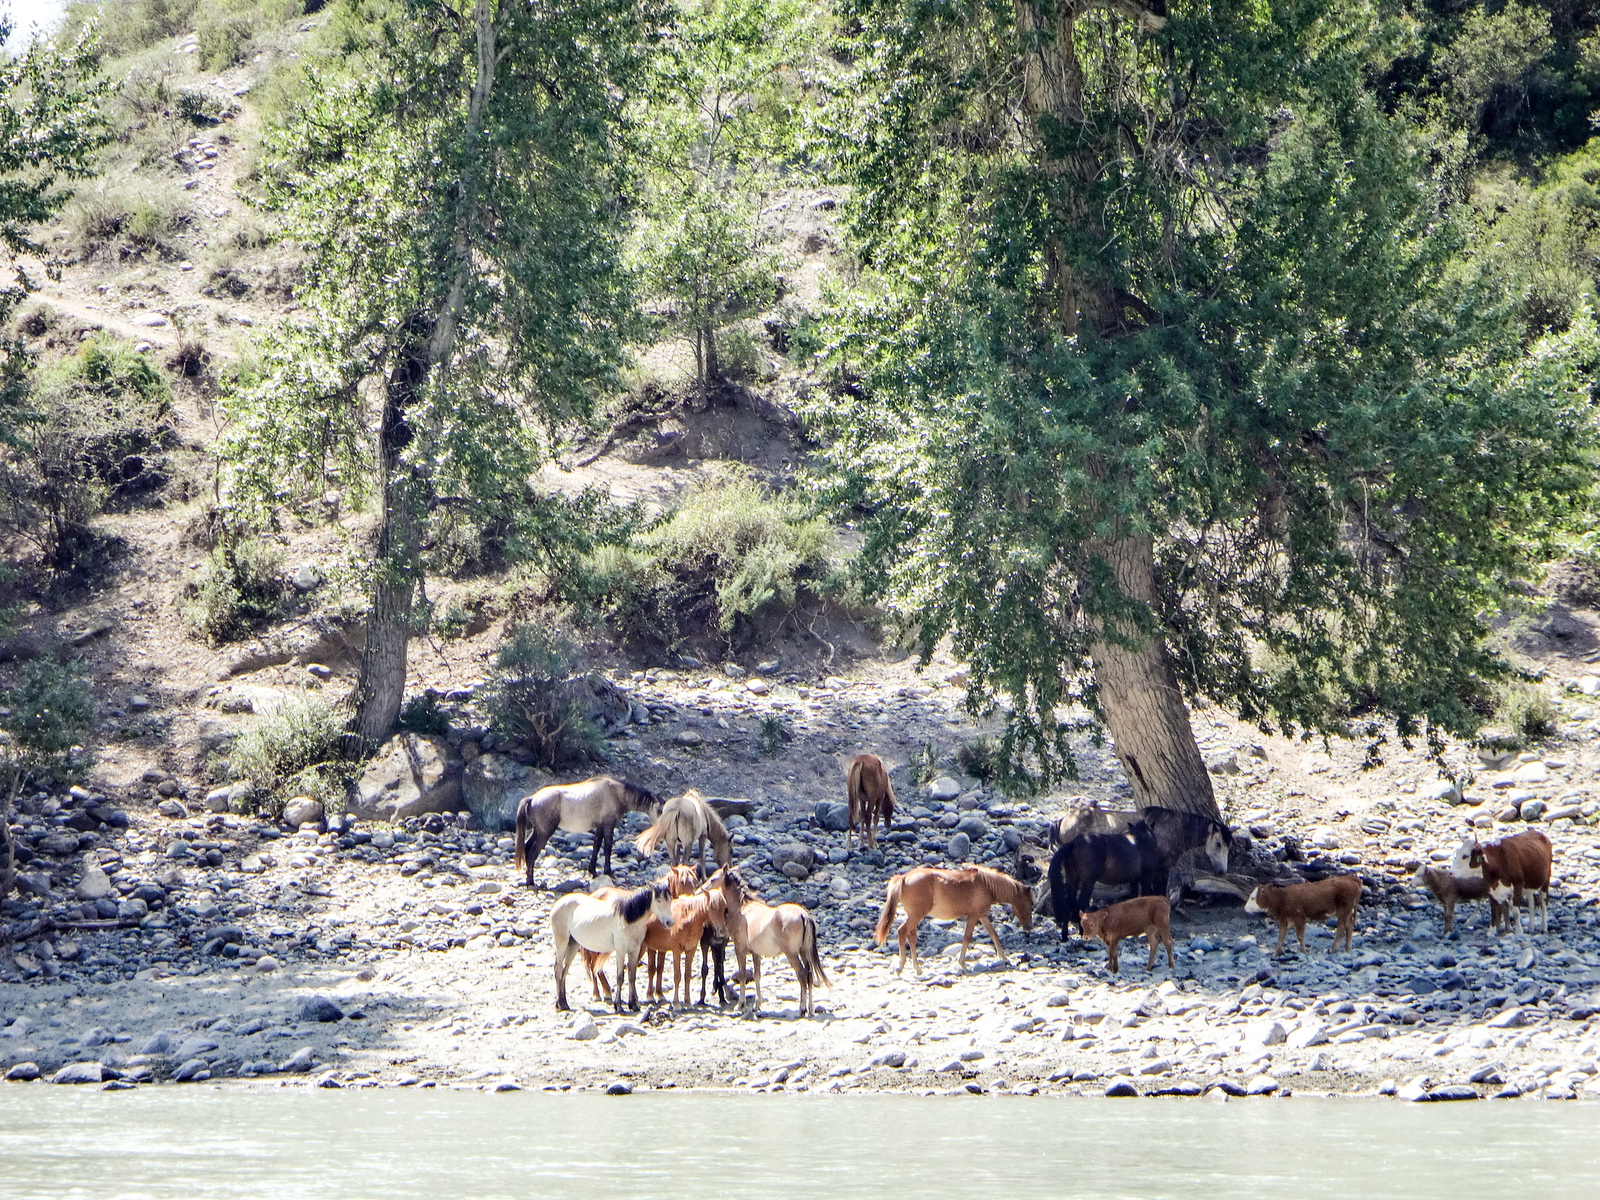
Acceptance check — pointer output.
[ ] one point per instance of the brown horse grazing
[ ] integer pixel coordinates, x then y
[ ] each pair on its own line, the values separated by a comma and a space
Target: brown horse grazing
948, 894
680, 881
684, 821
762, 931
866, 782
595, 804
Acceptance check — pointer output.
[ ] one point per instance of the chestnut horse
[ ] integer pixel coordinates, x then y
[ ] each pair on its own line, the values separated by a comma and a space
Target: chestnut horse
948, 894
680, 881
866, 783
595, 804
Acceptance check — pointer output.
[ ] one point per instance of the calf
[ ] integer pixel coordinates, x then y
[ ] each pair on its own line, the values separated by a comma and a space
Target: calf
1302, 902
1450, 889
1515, 865
1149, 915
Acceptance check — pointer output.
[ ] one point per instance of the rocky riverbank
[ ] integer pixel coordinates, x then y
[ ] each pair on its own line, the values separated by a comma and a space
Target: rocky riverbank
160, 941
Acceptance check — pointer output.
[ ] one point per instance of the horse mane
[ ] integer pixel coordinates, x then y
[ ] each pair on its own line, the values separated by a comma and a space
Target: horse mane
636, 904
695, 906
638, 795
1002, 885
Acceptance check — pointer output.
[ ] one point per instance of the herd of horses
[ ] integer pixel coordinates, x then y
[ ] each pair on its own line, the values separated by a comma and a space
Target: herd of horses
689, 908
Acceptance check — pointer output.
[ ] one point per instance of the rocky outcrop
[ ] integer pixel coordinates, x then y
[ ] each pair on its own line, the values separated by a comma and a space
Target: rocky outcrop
411, 775
492, 784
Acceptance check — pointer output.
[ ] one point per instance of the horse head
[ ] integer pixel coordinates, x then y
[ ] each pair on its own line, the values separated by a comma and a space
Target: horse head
661, 903
1022, 906
1217, 844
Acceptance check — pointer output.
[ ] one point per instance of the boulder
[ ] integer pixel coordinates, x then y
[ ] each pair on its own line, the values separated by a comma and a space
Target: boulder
832, 815
1531, 810
23, 1072
944, 788
793, 853
302, 810
959, 847
80, 1072
94, 884
1531, 772
411, 775
492, 784
320, 1008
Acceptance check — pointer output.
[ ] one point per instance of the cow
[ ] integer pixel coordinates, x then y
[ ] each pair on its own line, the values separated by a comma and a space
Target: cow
1514, 865
1149, 915
1450, 889
1301, 902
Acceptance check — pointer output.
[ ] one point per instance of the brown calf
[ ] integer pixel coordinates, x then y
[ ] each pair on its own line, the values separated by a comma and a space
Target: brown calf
1451, 889
1515, 865
1302, 902
1149, 915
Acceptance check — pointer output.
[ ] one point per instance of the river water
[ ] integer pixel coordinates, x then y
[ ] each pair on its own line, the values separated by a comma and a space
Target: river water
173, 1143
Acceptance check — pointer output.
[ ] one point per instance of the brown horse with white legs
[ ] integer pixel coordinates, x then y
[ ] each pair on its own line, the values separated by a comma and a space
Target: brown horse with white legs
866, 783
761, 930
596, 804
949, 894
686, 821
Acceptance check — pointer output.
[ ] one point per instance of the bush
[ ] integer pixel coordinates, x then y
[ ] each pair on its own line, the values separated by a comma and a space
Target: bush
532, 698
122, 219
422, 714
979, 758
730, 553
924, 764
292, 752
1526, 711
222, 40
775, 734
241, 583
99, 416
46, 716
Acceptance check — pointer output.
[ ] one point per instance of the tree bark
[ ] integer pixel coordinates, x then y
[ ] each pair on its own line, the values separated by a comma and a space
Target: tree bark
381, 687
1139, 694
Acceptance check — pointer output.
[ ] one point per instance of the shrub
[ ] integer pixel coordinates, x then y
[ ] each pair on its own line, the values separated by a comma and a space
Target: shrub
294, 751
222, 40
123, 218
729, 553
241, 583
775, 734
46, 717
422, 714
978, 758
1526, 711
99, 416
532, 698
924, 764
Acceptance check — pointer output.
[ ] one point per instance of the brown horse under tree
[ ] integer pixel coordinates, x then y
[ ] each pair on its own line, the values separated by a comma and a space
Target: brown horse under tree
871, 798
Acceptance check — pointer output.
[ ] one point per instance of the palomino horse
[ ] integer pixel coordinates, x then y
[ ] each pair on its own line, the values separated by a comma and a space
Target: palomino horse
948, 894
1116, 859
680, 881
1173, 833
762, 931
866, 783
595, 804
684, 821
616, 926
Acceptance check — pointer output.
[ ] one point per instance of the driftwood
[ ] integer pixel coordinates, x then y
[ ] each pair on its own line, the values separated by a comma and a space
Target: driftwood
725, 806
11, 934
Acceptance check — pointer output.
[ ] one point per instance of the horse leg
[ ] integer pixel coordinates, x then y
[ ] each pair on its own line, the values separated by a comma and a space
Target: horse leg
801, 978
564, 956
966, 940
531, 850
755, 966
994, 937
907, 938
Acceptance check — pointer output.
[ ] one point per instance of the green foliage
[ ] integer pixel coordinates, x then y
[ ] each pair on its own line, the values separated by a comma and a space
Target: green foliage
240, 584
723, 111
532, 698
422, 714
728, 554
50, 710
117, 219
979, 758
1526, 710
296, 750
95, 420
924, 765
1064, 343
775, 734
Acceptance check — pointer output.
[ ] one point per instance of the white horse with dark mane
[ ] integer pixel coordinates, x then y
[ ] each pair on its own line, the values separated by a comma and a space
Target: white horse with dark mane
607, 926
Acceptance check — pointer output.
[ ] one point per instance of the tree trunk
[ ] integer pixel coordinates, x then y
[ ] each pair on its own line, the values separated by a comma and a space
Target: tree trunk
8, 846
1139, 694
382, 683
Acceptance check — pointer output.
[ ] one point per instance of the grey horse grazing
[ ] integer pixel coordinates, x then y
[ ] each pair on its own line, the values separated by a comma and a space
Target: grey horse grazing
595, 804
1174, 833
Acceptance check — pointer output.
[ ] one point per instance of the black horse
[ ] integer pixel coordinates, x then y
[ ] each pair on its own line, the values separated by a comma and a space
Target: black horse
1118, 859
1174, 833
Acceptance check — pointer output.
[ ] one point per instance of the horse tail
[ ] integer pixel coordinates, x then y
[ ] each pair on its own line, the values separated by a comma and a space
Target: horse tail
810, 957
890, 903
1059, 904
651, 838
519, 852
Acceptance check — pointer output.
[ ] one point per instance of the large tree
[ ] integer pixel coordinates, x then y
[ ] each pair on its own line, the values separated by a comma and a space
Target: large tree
455, 177
1154, 385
